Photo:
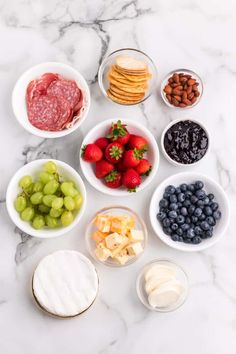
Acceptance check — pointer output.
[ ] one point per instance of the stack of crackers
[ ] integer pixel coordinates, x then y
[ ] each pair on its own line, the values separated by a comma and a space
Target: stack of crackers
128, 79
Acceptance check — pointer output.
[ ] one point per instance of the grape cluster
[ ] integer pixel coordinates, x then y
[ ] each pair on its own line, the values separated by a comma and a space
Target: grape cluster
48, 201
187, 213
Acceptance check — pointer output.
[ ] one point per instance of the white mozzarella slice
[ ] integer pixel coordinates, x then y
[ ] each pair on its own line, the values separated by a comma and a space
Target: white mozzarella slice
166, 295
156, 281
65, 283
160, 270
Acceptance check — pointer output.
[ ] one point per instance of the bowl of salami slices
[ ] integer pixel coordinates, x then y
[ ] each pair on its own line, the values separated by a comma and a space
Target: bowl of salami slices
51, 100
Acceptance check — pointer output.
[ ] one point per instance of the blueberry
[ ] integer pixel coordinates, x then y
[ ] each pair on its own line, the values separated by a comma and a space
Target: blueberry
167, 230
186, 203
163, 203
166, 195
177, 190
188, 220
193, 199
184, 211
180, 205
170, 189
217, 214
187, 240
190, 233
200, 203
211, 196
174, 227
214, 206
196, 240
174, 237
173, 198
185, 227
200, 194
183, 187
173, 206
172, 214
188, 194
191, 187
166, 222
206, 201
209, 233
179, 232
180, 219
198, 231
194, 219
205, 226
181, 197
161, 215
181, 239
198, 212
208, 211
210, 220
191, 209
199, 185
202, 217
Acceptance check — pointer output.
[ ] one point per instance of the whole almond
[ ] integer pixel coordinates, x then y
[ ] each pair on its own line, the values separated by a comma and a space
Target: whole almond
191, 82
189, 90
183, 79
185, 87
193, 100
168, 89
173, 85
178, 98
179, 87
170, 80
187, 102
175, 102
195, 87
182, 105
176, 78
177, 92
184, 95
190, 96
169, 98
197, 93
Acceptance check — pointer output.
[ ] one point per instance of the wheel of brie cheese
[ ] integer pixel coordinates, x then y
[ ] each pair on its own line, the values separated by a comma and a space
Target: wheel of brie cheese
65, 283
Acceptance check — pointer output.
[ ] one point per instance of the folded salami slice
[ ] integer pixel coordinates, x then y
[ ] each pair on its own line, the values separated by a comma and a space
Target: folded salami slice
39, 86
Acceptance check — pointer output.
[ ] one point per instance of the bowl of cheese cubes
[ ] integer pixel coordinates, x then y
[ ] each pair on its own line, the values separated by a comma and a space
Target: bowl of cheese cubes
116, 236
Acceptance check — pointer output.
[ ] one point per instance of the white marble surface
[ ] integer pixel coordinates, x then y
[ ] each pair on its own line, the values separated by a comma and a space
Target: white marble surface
184, 33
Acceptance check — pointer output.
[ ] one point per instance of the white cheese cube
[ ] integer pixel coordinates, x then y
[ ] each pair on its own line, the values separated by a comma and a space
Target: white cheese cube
135, 249
114, 240
103, 223
136, 235
102, 252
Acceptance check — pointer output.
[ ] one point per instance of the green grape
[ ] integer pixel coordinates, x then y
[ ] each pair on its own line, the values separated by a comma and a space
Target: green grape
43, 209
37, 187
48, 199
38, 222
66, 218
51, 187
36, 198
78, 199
71, 182
25, 182
51, 222
55, 213
20, 203
68, 190
27, 214
45, 177
29, 190
57, 203
69, 203
50, 167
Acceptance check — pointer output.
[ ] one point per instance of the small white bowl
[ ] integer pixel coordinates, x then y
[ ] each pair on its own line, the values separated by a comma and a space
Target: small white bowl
211, 187
32, 168
100, 130
19, 92
173, 162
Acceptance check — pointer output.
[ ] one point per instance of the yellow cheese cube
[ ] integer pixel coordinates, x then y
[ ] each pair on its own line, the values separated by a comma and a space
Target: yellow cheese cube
102, 252
136, 235
135, 249
118, 249
122, 257
120, 224
99, 236
114, 240
103, 223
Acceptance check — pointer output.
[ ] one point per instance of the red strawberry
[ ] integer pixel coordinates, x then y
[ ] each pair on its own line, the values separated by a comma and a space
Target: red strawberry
119, 133
102, 143
131, 180
114, 152
120, 166
132, 158
144, 167
91, 153
113, 180
138, 142
103, 168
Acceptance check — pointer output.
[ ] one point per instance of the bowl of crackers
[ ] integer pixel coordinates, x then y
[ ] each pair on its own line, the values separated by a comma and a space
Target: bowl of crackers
127, 76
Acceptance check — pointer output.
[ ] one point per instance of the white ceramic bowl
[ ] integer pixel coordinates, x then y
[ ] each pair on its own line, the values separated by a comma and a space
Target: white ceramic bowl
211, 187
32, 168
100, 130
19, 91
173, 162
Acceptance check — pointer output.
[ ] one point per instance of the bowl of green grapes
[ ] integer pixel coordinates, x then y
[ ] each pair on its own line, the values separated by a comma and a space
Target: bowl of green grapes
46, 198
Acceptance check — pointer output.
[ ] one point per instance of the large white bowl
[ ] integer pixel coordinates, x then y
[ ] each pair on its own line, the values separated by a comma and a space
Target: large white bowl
32, 169
100, 130
19, 92
211, 187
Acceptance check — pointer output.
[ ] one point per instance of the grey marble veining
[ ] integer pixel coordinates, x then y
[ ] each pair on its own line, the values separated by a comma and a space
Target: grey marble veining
195, 34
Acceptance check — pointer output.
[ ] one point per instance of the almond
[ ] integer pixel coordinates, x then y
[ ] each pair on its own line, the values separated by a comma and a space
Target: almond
185, 87
191, 82
178, 98
197, 93
177, 92
182, 105
168, 89
176, 78
170, 80
191, 95
169, 98
173, 85
184, 95
175, 102
189, 90
183, 79
195, 87
179, 87
187, 102
193, 100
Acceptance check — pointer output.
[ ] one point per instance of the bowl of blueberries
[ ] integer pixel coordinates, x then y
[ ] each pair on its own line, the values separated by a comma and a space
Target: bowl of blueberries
189, 211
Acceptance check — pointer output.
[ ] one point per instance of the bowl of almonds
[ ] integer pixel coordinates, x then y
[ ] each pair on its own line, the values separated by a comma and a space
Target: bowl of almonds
181, 88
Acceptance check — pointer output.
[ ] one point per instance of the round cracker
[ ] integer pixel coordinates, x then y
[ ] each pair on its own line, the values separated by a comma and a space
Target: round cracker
123, 93
120, 101
129, 63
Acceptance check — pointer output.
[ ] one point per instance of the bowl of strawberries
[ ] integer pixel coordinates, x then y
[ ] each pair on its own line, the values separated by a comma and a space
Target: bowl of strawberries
119, 157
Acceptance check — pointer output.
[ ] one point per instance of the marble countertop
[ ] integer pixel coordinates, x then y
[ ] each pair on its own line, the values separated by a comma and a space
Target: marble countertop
192, 34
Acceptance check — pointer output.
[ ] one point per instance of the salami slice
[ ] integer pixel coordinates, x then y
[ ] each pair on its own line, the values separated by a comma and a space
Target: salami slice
39, 86
49, 113
67, 89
